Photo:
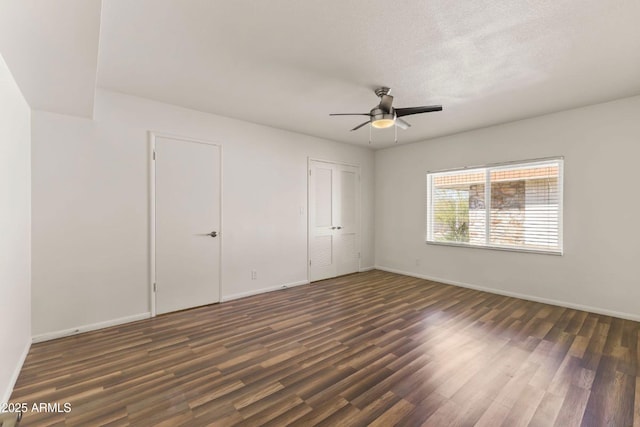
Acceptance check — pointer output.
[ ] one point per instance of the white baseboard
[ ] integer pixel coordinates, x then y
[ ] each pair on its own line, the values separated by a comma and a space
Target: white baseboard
16, 372
263, 290
114, 322
91, 327
597, 310
363, 269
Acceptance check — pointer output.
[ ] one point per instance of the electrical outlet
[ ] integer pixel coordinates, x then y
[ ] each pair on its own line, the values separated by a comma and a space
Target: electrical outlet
254, 275
417, 262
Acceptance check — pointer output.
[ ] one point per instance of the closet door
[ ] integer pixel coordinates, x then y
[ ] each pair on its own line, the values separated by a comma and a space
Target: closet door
346, 234
333, 220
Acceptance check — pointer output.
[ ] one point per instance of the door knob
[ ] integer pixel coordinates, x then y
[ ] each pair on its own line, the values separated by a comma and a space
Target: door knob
213, 234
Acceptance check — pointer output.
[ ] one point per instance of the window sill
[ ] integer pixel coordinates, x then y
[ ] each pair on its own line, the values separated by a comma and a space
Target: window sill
498, 248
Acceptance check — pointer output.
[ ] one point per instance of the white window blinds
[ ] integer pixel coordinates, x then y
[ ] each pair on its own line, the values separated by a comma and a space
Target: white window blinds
515, 206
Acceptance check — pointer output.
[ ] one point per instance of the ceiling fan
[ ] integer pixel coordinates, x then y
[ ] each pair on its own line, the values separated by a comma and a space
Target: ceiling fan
384, 115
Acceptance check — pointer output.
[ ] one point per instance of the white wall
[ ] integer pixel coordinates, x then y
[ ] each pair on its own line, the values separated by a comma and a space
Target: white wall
599, 270
91, 216
15, 231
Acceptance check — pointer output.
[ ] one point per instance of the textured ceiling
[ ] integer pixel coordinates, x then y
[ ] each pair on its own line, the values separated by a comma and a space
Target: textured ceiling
289, 63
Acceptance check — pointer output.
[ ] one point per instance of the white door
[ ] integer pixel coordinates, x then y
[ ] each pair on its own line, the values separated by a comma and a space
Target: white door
334, 220
187, 224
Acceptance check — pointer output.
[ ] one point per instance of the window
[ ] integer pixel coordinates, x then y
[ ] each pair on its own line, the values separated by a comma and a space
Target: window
523, 212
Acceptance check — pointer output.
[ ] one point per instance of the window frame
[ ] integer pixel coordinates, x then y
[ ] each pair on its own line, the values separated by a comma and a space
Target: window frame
487, 169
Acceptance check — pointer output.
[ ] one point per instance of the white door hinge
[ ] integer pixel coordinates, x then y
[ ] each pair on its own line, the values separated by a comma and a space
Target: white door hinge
155, 288
154, 155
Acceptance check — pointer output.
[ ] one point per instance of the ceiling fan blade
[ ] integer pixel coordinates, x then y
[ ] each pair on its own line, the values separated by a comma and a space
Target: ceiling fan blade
360, 125
402, 124
350, 114
401, 112
385, 103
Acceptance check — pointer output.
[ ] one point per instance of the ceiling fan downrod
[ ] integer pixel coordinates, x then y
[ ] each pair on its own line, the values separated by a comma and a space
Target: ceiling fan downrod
381, 91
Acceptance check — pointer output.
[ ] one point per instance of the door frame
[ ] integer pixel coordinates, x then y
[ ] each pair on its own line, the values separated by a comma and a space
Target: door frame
153, 135
358, 202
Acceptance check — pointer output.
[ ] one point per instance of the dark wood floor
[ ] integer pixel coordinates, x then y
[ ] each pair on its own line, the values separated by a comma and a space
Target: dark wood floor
368, 349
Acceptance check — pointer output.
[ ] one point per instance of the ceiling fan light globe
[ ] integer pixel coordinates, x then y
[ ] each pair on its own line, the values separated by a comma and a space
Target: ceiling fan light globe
383, 121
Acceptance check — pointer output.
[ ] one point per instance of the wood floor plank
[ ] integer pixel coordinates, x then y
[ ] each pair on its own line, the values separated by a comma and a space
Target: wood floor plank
573, 407
547, 411
393, 415
372, 348
524, 408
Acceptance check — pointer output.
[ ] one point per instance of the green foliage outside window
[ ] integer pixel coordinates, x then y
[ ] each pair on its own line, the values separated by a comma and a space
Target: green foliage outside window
452, 215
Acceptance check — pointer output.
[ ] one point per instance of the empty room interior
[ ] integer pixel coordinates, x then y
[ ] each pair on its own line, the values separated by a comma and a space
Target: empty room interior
319, 213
